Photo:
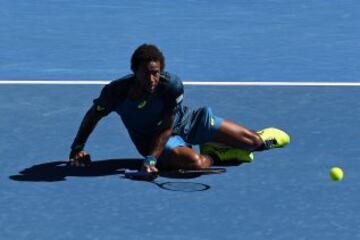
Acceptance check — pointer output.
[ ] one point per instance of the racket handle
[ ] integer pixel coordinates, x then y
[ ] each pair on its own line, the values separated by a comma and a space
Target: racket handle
140, 175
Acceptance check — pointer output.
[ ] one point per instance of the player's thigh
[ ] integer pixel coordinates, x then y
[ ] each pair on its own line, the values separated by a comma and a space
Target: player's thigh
200, 125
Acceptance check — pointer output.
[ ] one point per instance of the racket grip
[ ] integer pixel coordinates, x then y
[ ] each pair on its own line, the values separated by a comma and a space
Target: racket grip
140, 175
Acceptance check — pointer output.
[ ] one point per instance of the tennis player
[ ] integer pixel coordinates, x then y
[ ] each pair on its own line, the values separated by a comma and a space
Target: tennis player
149, 102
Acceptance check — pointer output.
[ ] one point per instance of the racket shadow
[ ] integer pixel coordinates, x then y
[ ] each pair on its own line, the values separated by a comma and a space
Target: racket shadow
178, 186
58, 170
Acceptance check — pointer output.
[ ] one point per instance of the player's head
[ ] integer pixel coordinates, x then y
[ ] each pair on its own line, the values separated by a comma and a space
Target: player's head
147, 63
146, 53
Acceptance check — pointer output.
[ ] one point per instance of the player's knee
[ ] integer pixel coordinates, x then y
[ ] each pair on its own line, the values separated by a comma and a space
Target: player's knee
190, 159
199, 161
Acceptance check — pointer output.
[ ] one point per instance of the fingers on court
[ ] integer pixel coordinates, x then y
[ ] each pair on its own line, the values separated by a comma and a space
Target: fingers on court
81, 159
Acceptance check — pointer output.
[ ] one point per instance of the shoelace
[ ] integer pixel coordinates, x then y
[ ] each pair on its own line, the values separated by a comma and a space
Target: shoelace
270, 143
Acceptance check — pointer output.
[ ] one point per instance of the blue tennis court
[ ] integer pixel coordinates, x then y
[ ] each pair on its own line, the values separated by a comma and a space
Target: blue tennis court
283, 194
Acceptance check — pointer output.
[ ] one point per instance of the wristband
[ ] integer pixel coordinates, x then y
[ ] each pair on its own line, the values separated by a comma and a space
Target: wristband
150, 160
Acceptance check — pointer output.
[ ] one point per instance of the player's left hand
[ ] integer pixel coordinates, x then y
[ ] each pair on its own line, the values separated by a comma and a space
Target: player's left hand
79, 159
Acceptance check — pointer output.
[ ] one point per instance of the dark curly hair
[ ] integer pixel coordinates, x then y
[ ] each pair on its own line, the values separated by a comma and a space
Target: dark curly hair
146, 53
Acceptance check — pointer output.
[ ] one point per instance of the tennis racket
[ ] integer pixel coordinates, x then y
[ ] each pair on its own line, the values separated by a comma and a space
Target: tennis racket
180, 173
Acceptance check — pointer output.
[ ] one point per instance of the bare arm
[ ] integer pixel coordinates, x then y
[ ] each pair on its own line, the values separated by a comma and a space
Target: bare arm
161, 137
87, 125
158, 143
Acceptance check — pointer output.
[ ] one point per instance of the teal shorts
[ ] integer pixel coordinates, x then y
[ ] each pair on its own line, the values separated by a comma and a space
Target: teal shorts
196, 127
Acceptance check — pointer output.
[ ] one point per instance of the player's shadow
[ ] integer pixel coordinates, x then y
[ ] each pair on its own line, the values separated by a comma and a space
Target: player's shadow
59, 170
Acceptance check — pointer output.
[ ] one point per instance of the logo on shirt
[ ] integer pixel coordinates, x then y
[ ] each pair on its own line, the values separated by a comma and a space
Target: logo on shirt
99, 108
142, 104
212, 121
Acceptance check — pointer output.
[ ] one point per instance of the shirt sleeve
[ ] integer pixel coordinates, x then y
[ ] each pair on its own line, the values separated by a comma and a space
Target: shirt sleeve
174, 94
105, 103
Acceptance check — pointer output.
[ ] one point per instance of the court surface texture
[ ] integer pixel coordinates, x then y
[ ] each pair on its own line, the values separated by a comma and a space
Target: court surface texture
283, 194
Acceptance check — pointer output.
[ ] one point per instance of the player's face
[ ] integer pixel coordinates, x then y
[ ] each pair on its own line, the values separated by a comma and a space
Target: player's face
148, 76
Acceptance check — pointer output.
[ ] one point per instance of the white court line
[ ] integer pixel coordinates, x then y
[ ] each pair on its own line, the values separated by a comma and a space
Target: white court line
191, 83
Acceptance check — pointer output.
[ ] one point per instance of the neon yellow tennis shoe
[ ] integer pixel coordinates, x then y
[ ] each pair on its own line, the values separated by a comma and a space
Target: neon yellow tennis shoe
225, 154
274, 138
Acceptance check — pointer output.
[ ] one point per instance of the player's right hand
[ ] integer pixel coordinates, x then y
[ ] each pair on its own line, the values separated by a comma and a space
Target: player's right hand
79, 159
149, 168
149, 165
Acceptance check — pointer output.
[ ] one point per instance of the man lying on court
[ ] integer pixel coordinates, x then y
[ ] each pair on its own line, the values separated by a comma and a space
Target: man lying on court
149, 102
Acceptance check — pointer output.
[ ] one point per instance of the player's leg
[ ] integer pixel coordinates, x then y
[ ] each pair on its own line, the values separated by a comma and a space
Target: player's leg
229, 142
200, 127
178, 155
233, 141
187, 158
234, 135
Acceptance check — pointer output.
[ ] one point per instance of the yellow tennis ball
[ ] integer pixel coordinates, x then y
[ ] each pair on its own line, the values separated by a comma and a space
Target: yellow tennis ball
336, 174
